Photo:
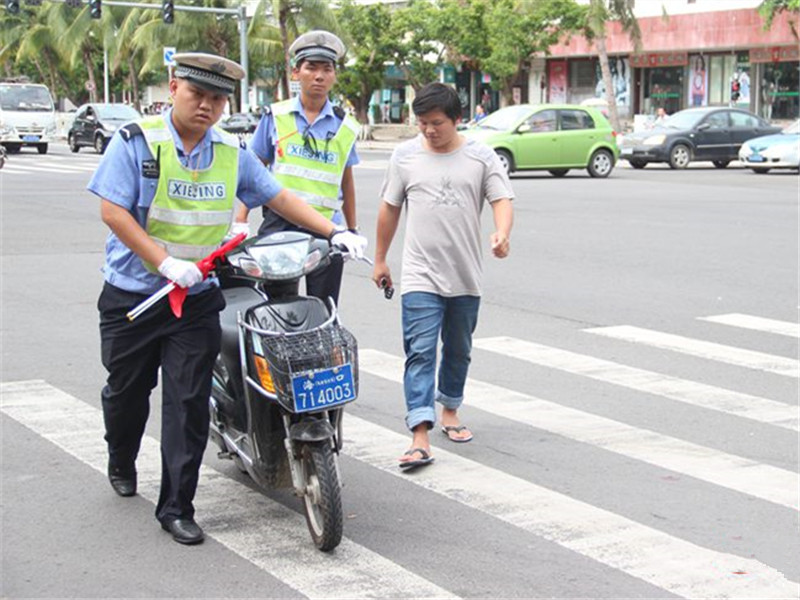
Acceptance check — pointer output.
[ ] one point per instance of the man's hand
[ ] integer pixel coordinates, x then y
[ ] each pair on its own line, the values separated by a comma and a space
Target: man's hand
353, 242
182, 273
238, 227
500, 244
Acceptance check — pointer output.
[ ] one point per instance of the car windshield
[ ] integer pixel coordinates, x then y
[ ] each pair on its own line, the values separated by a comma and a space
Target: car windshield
505, 118
119, 112
792, 129
28, 98
685, 119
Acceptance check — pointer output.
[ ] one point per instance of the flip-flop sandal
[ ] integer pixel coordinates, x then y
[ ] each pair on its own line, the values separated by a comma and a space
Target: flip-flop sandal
413, 464
448, 429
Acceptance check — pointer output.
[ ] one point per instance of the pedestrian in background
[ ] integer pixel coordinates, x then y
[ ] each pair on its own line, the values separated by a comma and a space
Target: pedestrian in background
309, 144
167, 185
443, 181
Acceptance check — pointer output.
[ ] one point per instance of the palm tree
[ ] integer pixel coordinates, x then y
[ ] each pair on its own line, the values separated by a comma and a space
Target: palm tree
600, 12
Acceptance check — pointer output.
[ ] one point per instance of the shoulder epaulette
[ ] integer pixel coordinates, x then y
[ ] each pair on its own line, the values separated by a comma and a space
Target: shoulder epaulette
266, 110
339, 112
130, 130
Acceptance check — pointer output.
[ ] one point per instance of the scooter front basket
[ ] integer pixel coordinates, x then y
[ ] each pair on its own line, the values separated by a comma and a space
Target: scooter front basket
313, 370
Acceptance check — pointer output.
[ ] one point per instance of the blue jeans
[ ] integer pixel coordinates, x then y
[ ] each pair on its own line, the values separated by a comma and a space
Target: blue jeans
425, 315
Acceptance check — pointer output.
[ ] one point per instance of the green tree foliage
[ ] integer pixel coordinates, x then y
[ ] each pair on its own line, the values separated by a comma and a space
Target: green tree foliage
770, 9
370, 46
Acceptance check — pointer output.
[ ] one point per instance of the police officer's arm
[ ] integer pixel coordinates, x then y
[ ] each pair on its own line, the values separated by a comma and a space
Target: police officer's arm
125, 227
295, 210
349, 198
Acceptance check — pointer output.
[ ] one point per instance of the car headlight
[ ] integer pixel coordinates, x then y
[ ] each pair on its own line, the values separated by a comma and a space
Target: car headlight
7, 129
655, 140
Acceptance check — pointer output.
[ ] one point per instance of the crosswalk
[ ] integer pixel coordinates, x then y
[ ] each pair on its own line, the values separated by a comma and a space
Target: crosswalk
83, 164
679, 565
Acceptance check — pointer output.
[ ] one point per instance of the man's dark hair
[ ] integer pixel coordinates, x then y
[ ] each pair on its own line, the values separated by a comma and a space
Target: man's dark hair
437, 96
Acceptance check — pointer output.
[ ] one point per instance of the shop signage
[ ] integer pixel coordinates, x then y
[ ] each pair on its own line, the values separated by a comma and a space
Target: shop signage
667, 59
775, 54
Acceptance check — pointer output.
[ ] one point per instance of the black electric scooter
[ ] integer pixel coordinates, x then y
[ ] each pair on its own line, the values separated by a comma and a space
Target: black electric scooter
285, 372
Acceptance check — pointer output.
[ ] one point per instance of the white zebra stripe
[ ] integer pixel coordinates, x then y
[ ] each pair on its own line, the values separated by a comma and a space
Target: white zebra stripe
756, 323
740, 357
727, 470
690, 392
266, 533
675, 565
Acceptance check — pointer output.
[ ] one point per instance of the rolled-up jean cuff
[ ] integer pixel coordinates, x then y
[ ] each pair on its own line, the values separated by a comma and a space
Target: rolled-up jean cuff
421, 415
448, 401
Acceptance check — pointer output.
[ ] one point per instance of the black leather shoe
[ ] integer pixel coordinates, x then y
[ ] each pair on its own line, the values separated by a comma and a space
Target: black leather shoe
123, 480
184, 531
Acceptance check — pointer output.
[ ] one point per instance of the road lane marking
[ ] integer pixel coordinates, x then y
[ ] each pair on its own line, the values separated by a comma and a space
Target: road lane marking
55, 169
726, 470
690, 392
14, 171
740, 357
670, 563
756, 323
266, 533
378, 165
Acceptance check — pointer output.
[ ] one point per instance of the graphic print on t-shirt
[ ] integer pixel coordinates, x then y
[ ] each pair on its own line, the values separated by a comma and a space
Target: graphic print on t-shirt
447, 195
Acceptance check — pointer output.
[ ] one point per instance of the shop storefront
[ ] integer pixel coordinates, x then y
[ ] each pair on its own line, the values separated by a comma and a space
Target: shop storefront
778, 77
660, 81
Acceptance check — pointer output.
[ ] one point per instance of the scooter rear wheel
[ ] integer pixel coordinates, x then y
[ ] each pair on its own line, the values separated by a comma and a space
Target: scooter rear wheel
322, 499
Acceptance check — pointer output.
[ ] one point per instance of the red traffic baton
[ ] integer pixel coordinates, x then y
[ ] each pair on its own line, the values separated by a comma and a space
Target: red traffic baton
176, 293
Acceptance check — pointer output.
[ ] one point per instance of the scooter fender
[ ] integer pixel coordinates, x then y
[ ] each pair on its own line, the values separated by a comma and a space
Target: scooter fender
311, 430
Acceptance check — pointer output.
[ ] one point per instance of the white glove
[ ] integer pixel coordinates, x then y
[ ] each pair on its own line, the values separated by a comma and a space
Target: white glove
354, 243
183, 273
237, 228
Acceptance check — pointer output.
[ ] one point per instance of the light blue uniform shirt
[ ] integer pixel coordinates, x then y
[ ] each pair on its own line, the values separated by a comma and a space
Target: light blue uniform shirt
326, 124
119, 179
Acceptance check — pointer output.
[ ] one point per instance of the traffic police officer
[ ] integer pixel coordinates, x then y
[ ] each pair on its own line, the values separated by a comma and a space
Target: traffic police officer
167, 186
309, 145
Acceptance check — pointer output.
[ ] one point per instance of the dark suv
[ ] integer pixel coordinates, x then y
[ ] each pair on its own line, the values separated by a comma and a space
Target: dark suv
94, 124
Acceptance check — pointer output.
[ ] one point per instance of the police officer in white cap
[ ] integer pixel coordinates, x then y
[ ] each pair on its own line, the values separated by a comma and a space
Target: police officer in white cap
309, 145
167, 185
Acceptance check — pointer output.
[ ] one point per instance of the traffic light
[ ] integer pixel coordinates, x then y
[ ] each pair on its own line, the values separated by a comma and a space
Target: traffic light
168, 11
95, 9
735, 87
12, 6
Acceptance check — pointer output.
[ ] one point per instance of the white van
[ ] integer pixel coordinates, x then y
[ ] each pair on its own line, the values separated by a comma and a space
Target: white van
27, 116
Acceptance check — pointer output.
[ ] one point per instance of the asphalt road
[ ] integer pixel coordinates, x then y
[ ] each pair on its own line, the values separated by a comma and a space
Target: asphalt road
633, 395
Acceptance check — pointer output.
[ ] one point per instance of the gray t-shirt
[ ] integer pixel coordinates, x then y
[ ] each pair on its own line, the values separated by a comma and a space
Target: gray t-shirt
444, 195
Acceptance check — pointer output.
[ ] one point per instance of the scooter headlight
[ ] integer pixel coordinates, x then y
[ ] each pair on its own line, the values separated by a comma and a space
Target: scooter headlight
281, 261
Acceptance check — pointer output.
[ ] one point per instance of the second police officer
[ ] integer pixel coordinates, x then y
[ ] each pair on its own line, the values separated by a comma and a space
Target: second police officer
309, 145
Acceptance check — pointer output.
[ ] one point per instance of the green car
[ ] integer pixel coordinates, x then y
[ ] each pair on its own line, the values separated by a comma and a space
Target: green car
549, 137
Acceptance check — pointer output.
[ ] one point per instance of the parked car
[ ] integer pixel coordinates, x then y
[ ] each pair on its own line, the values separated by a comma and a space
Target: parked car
709, 133
240, 123
94, 124
779, 151
550, 137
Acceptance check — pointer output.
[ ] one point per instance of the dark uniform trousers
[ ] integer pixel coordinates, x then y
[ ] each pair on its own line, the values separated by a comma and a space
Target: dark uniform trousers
185, 350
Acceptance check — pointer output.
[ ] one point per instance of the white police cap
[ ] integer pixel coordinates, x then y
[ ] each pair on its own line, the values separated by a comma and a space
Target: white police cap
209, 71
317, 46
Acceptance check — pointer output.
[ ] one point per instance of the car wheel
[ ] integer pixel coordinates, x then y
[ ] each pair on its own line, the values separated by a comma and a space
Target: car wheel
42, 148
558, 172
601, 163
637, 164
720, 164
99, 144
761, 171
505, 160
680, 156
13, 148
73, 144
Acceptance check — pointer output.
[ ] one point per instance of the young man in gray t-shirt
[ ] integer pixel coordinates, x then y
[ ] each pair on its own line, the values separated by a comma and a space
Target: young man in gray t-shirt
443, 180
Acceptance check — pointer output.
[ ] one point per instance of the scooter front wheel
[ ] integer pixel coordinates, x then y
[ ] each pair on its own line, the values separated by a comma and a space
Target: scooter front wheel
322, 498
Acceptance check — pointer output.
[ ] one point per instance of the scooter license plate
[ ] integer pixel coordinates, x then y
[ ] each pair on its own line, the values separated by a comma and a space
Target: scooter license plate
324, 388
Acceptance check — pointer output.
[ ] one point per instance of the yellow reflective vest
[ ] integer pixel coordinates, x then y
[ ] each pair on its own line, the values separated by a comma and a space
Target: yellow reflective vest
311, 169
192, 208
